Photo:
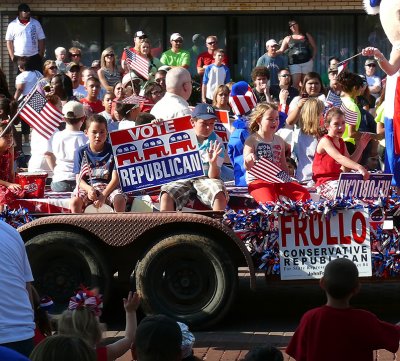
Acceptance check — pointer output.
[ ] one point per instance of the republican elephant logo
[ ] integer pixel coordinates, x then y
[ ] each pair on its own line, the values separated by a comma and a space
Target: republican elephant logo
154, 147
127, 154
181, 141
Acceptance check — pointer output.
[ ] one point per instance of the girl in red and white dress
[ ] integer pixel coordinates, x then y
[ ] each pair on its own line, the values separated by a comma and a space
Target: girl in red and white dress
331, 156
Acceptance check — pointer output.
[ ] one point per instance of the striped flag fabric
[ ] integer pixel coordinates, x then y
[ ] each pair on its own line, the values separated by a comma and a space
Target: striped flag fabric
85, 170
40, 114
342, 66
267, 171
133, 99
137, 63
350, 116
242, 104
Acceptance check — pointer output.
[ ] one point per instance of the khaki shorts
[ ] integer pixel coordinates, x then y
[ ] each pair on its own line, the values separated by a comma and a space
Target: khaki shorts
82, 194
303, 68
204, 188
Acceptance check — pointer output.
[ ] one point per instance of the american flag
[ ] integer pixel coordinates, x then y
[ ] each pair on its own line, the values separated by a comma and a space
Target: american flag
265, 170
133, 99
85, 169
41, 115
350, 116
342, 66
137, 63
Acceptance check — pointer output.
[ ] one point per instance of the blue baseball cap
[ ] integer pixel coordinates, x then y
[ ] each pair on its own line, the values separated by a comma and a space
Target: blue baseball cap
204, 111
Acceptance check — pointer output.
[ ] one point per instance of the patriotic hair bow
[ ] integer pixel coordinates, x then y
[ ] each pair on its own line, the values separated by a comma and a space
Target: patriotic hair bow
46, 303
372, 6
86, 299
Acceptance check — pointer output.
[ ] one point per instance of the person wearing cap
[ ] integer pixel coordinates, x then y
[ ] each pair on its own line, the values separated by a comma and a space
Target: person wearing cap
207, 58
25, 37
333, 91
138, 38
374, 81
174, 102
176, 56
210, 189
16, 313
64, 144
273, 61
74, 73
285, 84
158, 338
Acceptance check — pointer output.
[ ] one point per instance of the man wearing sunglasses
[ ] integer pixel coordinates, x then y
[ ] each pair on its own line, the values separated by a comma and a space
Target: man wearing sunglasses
207, 58
176, 56
138, 39
285, 83
374, 82
273, 61
25, 38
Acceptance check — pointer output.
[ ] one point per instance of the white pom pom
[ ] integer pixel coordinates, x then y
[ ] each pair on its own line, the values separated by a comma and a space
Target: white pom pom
369, 9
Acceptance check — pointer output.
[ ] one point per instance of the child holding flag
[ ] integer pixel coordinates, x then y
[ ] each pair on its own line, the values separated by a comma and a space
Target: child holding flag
97, 179
264, 143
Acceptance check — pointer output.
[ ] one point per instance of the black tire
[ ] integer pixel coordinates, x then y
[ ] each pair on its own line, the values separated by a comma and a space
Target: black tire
61, 261
189, 278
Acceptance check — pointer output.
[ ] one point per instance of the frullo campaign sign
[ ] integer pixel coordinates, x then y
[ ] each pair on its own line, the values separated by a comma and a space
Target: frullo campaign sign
154, 154
308, 244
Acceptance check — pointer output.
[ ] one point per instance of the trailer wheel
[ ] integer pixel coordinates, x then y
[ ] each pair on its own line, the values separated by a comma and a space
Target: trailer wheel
61, 261
188, 277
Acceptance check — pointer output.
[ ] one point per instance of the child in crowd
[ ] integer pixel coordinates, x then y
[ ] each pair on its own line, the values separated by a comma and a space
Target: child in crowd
215, 74
210, 189
82, 320
107, 104
242, 101
331, 155
126, 115
9, 190
263, 142
260, 77
61, 56
91, 102
351, 85
292, 166
264, 353
355, 333
64, 145
63, 348
99, 183
305, 138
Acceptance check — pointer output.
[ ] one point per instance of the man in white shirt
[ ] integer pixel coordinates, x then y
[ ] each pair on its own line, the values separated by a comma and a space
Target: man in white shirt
16, 313
25, 37
374, 81
174, 103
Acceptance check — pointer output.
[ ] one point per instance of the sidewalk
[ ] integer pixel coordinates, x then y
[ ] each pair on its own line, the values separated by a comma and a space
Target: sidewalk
233, 346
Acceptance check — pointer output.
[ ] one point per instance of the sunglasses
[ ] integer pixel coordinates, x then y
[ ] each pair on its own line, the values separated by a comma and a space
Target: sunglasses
178, 41
53, 67
74, 55
156, 93
109, 55
292, 24
159, 80
371, 65
212, 43
284, 75
142, 37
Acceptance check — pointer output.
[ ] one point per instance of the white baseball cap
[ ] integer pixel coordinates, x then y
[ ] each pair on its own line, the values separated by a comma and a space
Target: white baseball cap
271, 42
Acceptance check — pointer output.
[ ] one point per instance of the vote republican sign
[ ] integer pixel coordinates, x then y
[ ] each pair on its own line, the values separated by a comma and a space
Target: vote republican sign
308, 244
154, 154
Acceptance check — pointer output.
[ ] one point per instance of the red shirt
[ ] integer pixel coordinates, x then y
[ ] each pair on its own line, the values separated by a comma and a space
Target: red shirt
324, 167
97, 106
207, 59
332, 334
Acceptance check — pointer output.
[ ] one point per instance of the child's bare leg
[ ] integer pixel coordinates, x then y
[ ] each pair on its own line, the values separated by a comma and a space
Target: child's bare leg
76, 205
167, 203
219, 202
119, 203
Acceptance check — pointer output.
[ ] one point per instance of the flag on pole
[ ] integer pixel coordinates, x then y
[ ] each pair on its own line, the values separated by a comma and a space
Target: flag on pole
85, 169
137, 63
265, 170
342, 66
40, 114
350, 116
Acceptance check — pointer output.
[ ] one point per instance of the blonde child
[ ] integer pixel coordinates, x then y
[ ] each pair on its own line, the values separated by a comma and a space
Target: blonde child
306, 139
332, 156
9, 190
100, 184
82, 319
263, 142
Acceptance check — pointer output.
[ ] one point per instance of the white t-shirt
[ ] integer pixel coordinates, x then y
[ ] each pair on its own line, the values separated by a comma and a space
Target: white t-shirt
29, 79
25, 37
64, 144
39, 146
16, 314
171, 106
126, 124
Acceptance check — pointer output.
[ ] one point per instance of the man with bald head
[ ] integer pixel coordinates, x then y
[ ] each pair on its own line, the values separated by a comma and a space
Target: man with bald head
174, 103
